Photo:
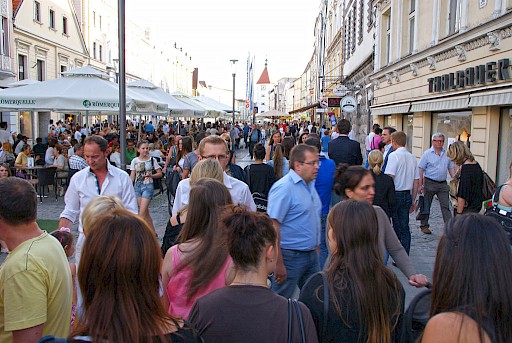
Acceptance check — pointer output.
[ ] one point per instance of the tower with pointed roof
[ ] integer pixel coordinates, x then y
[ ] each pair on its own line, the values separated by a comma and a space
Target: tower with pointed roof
263, 86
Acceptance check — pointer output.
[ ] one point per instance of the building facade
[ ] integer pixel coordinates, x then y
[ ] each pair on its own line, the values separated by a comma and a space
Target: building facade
454, 78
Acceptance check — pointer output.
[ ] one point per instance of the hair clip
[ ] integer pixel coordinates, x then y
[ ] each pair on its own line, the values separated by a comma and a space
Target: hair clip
64, 229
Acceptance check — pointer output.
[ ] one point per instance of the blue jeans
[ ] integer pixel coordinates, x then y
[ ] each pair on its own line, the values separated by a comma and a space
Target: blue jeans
144, 190
401, 219
324, 252
300, 265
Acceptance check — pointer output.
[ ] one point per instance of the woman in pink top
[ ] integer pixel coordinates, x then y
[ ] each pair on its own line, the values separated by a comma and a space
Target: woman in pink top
200, 263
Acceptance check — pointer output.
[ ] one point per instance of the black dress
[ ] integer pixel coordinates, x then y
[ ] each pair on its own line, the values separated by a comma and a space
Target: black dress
470, 187
384, 193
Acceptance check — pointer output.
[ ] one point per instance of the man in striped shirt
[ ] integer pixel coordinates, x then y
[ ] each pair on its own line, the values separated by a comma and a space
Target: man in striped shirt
434, 167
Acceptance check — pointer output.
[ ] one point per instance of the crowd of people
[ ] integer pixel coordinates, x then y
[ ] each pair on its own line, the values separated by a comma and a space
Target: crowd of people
305, 219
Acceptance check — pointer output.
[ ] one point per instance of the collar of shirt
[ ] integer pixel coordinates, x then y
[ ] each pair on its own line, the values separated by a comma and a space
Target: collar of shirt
443, 151
402, 148
227, 181
387, 147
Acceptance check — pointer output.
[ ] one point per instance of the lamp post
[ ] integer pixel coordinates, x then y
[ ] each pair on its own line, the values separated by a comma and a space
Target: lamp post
233, 72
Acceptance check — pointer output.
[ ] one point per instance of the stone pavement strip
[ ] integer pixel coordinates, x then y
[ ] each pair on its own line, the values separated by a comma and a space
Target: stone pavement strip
423, 247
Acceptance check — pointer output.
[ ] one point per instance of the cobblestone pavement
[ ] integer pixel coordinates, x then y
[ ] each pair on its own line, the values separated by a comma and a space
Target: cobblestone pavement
423, 247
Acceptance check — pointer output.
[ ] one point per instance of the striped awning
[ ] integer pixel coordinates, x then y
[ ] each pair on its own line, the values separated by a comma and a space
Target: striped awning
392, 109
450, 103
502, 97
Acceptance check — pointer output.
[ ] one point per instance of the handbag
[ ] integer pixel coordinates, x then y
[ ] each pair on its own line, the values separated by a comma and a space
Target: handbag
504, 218
423, 208
488, 187
294, 310
454, 188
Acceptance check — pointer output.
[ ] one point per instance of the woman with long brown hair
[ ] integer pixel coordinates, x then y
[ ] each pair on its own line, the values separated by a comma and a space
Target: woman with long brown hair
199, 264
471, 296
365, 298
119, 278
279, 162
275, 138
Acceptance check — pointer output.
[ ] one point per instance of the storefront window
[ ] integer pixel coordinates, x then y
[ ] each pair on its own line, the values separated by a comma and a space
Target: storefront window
454, 125
387, 121
26, 124
408, 129
504, 146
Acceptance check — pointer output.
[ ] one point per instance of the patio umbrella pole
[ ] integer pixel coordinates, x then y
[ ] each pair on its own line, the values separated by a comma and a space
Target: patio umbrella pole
122, 82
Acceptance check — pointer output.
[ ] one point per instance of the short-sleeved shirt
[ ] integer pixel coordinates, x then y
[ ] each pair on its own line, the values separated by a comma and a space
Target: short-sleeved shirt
36, 288
324, 182
470, 186
144, 169
297, 207
435, 166
22, 159
403, 166
190, 161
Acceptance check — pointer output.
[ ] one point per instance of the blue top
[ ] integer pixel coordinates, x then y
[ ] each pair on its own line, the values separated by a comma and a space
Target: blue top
325, 142
434, 166
297, 207
324, 182
150, 127
285, 168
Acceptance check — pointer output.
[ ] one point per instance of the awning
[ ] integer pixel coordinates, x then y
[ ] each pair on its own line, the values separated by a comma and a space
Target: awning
393, 109
502, 97
450, 103
305, 108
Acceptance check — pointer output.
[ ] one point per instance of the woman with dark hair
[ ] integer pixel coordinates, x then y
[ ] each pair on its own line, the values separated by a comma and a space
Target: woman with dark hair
251, 312
303, 137
200, 263
365, 298
119, 278
279, 162
471, 296
288, 144
357, 183
275, 138
469, 190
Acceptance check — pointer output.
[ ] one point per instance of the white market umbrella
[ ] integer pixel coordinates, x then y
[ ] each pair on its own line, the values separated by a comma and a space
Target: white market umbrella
210, 111
272, 114
214, 103
176, 106
83, 89
21, 83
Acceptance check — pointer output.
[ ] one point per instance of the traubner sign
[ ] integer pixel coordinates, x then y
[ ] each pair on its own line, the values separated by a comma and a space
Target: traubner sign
478, 75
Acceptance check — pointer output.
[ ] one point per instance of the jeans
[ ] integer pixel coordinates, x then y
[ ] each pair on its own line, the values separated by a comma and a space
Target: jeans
144, 190
401, 219
300, 265
251, 147
324, 251
442, 190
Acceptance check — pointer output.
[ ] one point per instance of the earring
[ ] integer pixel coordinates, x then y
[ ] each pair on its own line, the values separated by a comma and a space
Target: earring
271, 260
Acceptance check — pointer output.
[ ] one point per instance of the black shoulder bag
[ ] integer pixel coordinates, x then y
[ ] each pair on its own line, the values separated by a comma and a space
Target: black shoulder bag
294, 307
504, 218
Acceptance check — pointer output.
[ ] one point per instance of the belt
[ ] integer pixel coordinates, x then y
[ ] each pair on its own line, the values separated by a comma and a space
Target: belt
409, 191
443, 181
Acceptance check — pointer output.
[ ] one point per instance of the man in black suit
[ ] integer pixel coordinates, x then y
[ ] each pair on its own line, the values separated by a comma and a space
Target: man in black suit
343, 149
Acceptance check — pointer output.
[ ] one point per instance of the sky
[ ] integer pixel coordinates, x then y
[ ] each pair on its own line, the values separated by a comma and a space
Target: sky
215, 31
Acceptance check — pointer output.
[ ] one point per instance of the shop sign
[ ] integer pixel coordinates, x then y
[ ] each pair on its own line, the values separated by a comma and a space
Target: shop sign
333, 102
17, 102
478, 75
348, 104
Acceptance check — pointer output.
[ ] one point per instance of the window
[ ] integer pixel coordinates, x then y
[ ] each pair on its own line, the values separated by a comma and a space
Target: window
94, 18
52, 19
454, 16
94, 50
101, 52
412, 19
22, 67
387, 26
41, 71
100, 22
63, 68
65, 25
4, 48
37, 11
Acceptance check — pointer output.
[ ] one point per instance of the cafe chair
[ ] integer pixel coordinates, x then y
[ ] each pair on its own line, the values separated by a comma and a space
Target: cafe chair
46, 178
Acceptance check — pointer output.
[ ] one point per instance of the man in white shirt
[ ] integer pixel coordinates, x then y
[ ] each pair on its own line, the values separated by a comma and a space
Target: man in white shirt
99, 178
78, 134
5, 136
403, 168
215, 147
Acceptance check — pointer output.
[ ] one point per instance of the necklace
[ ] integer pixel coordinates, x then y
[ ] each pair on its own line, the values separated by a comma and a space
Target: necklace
248, 284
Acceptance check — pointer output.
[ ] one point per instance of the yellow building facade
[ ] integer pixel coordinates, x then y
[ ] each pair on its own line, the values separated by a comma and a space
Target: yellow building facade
439, 69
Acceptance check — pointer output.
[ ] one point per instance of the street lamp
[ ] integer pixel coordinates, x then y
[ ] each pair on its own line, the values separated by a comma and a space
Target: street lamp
233, 72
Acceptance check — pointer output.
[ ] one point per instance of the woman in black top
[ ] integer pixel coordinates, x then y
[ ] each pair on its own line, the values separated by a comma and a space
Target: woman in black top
384, 185
248, 310
365, 298
471, 179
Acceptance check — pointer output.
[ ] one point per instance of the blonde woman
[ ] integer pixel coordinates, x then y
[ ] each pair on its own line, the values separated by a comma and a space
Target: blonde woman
470, 175
384, 185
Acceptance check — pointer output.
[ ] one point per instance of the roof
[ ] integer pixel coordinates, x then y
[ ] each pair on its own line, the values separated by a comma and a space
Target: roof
15, 6
264, 79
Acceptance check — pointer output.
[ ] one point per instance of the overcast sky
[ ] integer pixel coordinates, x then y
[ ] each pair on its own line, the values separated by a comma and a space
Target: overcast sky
215, 31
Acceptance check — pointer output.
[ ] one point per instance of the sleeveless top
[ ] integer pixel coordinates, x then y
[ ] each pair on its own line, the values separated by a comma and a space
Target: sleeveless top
486, 324
503, 207
179, 282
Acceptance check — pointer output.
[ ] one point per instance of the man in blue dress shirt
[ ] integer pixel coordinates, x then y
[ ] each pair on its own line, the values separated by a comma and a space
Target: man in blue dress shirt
295, 209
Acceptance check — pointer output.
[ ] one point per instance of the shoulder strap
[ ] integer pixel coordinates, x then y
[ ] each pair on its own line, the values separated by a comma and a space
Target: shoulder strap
326, 305
496, 196
290, 320
299, 319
